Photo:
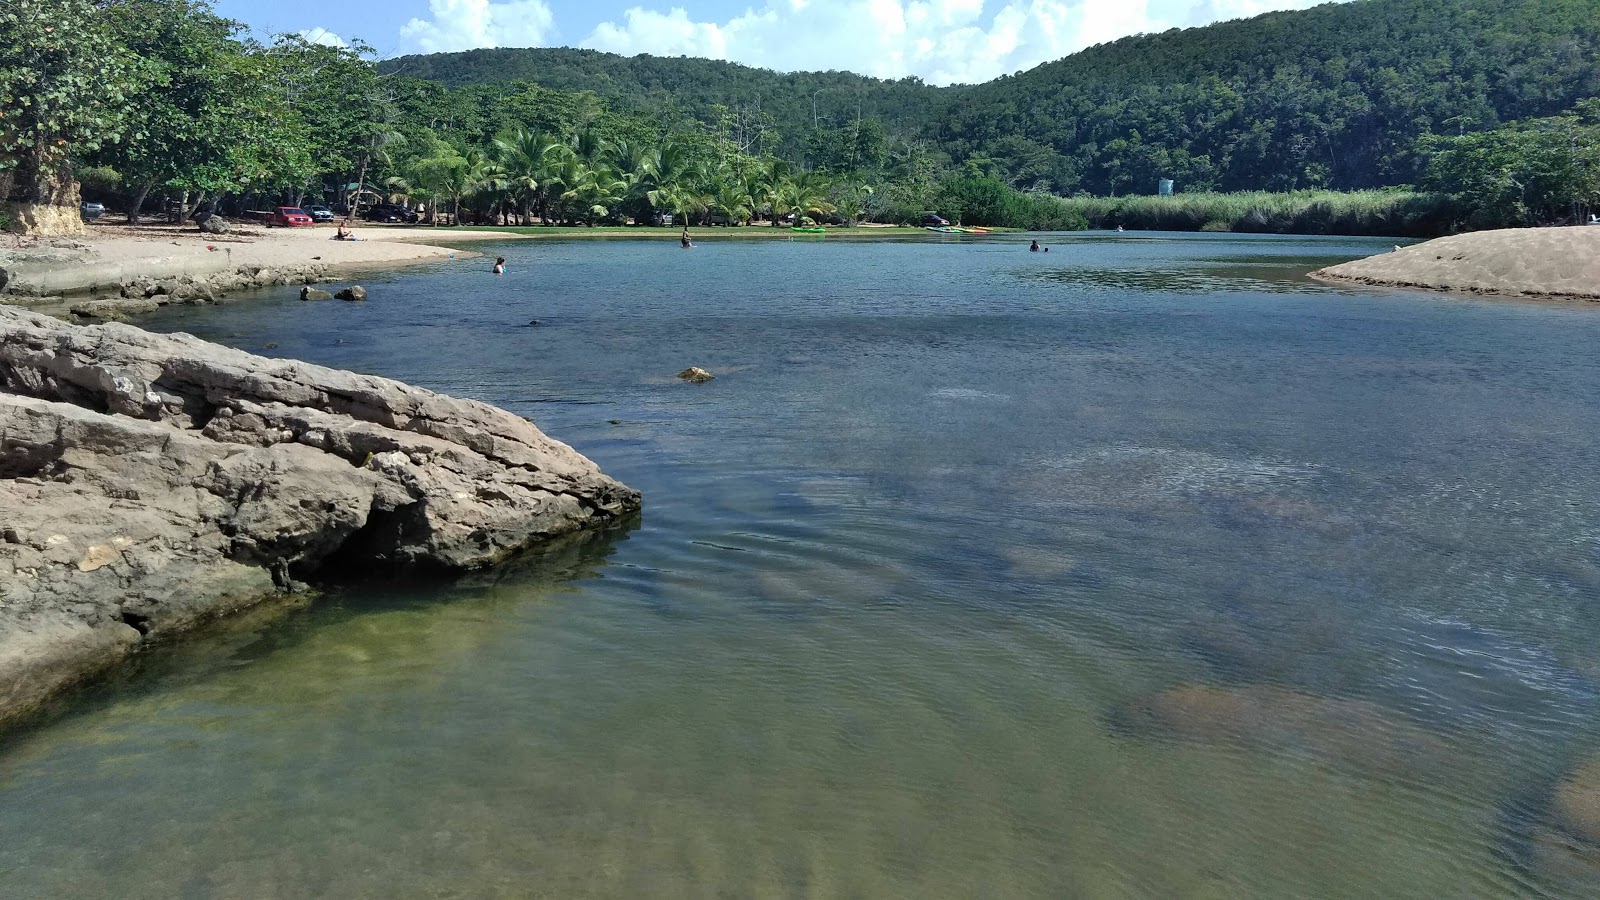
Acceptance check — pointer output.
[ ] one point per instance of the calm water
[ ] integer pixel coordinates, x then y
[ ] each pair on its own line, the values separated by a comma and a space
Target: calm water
1144, 568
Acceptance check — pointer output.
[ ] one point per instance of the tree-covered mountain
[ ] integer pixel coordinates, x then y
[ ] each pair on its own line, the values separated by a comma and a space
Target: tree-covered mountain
1334, 96
777, 111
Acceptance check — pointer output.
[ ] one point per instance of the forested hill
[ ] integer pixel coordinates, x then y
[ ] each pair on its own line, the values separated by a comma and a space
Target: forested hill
1335, 96
786, 105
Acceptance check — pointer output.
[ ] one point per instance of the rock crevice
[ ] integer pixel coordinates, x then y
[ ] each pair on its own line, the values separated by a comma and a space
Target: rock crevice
150, 481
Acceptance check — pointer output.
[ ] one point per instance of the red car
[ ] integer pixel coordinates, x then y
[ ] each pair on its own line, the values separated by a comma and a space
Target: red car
289, 217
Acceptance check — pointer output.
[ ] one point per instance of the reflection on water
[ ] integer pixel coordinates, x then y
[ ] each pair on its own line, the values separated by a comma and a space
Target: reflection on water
975, 573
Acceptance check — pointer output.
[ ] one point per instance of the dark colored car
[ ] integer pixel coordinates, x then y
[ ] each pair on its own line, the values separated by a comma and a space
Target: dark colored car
289, 217
934, 220
92, 211
389, 213
319, 213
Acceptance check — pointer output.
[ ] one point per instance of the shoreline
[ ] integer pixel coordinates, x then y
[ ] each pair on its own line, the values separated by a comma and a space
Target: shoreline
1530, 263
109, 257
711, 233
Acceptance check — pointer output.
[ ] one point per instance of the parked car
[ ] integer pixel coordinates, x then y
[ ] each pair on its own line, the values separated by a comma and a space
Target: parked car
92, 211
389, 213
319, 213
934, 220
289, 217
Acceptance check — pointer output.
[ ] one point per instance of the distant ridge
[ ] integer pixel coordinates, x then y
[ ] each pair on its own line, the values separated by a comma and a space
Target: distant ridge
1336, 95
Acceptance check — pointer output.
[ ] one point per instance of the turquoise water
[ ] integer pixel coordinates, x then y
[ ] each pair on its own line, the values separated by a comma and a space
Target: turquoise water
1142, 568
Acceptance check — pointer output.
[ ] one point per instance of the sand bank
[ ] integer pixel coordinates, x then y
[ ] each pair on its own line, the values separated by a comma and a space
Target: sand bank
111, 254
1517, 262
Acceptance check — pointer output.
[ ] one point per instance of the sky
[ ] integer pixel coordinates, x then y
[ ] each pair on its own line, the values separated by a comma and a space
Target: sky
940, 41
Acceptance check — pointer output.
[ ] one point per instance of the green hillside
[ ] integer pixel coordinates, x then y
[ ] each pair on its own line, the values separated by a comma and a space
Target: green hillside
784, 107
1335, 96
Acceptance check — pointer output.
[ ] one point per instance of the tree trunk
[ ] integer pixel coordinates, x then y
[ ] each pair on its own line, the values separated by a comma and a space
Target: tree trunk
41, 197
138, 201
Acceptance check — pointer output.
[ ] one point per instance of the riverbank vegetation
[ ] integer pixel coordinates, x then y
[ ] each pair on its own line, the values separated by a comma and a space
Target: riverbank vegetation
1366, 117
1401, 213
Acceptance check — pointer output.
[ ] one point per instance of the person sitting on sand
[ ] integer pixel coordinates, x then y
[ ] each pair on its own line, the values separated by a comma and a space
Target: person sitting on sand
499, 265
343, 234
1033, 247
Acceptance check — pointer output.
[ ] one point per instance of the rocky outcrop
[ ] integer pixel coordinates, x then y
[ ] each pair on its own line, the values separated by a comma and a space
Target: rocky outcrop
311, 293
148, 482
353, 292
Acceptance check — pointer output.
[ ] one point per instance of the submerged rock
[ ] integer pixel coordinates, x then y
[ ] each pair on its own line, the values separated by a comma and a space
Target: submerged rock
354, 292
696, 375
150, 481
1576, 804
1363, 735
309, 293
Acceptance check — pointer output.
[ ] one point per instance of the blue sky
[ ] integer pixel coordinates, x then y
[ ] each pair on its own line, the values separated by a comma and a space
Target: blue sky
942, 41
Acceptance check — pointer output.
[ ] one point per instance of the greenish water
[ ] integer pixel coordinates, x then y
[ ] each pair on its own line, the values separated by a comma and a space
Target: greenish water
910, 574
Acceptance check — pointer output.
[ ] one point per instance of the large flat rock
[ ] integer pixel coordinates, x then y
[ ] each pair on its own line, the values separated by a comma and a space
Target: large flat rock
149, 482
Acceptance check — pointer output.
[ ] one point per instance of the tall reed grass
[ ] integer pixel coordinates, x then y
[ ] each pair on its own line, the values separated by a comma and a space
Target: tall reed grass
1388, 212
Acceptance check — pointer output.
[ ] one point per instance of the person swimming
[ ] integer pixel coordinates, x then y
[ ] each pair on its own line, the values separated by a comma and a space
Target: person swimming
1033, 247
500, 265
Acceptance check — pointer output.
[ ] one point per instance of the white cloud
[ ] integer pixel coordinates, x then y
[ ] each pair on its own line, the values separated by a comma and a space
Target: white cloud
323, 36
469, 24
943, 41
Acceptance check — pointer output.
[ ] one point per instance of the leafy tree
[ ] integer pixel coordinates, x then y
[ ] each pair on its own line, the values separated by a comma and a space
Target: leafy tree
64, 89
206, 98
1522, 173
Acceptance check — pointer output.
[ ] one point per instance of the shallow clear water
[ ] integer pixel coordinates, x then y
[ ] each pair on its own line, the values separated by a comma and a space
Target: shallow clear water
910, 571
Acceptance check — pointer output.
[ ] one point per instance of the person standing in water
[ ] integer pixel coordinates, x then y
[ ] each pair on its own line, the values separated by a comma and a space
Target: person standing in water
500, 265
1033, 247
684, 238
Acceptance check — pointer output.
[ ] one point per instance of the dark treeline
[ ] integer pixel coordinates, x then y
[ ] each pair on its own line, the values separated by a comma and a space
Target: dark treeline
1344, 96
1468, 113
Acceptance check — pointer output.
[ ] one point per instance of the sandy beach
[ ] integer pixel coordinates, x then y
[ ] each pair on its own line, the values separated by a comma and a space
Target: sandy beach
1516, 262
112, 252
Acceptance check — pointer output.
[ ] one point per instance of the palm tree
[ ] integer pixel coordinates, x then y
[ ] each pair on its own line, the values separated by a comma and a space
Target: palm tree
594, 190
769, 189
667, 179
806, 192
454, 175
396, 189
734, 197
523, 162
850, 199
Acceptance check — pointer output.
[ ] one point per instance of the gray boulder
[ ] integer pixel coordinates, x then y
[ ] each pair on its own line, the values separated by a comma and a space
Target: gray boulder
354, 292
307, 293
149, 482
696, 375
215, 225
